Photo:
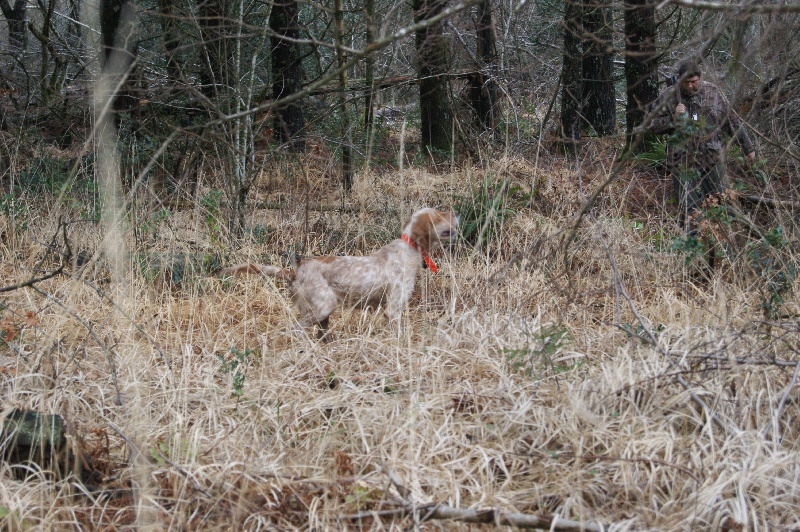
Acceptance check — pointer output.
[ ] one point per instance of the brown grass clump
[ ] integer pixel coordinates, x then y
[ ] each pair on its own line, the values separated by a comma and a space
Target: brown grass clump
598, 381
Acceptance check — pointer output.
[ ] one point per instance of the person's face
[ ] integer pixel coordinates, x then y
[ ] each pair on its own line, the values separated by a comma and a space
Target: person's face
691, 85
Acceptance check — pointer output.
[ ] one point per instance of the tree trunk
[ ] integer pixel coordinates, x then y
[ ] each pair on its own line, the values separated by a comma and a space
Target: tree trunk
15, 16
599, 106
238, 98
50, 80
487, 54
171, 39
109, 22
369, 72
289, 122
432, 63
119, 48
571, 75
347, 166
641, 65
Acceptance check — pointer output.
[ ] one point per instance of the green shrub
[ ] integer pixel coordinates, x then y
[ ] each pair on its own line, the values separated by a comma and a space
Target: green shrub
655, 156
237, 368
15, 212
483, 212
543, 346
212, 205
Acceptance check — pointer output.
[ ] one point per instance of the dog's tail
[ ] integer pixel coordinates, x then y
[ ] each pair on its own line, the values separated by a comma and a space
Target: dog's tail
263, 269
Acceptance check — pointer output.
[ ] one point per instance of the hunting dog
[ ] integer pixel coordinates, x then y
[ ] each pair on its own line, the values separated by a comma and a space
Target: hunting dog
385, 278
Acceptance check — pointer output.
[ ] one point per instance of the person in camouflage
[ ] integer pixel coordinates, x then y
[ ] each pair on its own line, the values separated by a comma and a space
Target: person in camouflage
693, 115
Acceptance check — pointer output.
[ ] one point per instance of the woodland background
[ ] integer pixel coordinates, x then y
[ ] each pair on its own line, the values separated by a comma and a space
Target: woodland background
573, 365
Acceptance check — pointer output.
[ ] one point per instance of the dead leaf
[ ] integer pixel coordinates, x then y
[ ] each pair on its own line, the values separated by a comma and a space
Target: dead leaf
344, 464
31, 320
8, 329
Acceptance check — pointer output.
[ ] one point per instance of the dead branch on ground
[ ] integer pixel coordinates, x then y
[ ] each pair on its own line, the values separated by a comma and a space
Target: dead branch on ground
429, 512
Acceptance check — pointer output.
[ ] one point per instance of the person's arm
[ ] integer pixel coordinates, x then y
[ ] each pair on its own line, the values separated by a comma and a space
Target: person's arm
666, 111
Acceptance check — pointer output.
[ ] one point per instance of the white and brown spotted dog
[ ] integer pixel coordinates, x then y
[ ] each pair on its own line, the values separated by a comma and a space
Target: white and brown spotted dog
386, 277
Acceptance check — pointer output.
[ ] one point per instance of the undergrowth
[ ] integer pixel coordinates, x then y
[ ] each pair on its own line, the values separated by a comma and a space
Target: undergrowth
602, 381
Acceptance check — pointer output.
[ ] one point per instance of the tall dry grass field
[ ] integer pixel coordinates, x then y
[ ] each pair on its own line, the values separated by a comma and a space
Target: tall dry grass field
587, 376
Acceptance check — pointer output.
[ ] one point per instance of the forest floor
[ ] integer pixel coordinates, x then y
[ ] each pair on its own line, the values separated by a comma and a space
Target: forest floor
588, 374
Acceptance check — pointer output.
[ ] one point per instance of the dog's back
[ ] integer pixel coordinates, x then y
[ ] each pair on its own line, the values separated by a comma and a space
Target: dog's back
263, 269
385, 278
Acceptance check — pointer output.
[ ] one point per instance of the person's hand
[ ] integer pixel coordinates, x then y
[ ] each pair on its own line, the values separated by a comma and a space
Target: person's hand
752, 156
680, 110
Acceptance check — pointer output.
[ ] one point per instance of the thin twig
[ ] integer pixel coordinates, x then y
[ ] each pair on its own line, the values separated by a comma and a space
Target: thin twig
185, 474
130, 319
651, 339
488, 516
771, 202
33, 280
404, 492
109, 354
664, 375
599, 457
781, 404
65, 257
741, 361
431, 511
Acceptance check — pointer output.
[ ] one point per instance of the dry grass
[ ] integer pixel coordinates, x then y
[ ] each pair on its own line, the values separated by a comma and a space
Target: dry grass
510, 383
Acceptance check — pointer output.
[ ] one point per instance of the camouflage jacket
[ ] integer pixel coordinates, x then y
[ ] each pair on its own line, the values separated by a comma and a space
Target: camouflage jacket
694, 141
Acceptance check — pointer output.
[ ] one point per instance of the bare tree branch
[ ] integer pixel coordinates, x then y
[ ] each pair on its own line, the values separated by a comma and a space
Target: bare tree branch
739, 9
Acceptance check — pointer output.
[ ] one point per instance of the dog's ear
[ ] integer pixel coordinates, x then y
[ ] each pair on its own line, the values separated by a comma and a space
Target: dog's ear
423, 230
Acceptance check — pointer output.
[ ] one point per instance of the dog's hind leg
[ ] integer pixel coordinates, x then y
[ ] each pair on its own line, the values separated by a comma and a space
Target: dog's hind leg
316, 309
324, 333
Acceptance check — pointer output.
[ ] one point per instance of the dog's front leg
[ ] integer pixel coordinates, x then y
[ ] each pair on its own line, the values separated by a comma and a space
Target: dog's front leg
398, 299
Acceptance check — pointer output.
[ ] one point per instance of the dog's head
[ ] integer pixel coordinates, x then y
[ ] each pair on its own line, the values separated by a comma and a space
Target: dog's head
429, 228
